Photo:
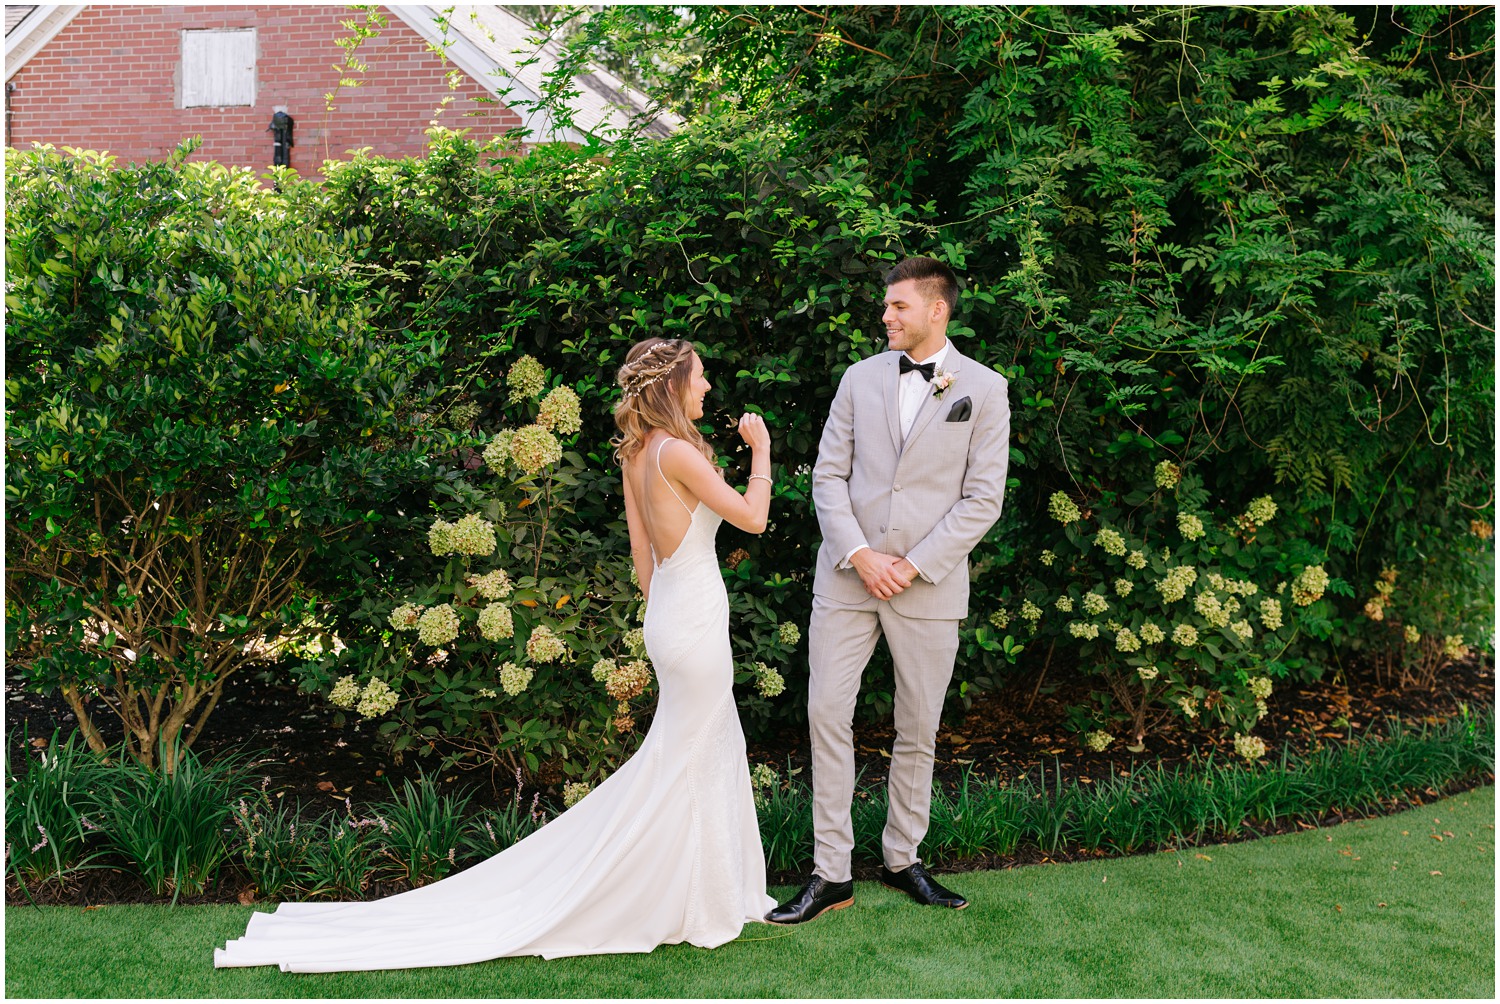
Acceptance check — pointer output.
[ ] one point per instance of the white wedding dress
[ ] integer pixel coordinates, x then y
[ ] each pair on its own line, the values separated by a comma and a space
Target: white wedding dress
665, 850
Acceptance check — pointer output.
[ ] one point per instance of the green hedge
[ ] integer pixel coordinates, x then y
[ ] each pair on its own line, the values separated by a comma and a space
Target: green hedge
1251, 245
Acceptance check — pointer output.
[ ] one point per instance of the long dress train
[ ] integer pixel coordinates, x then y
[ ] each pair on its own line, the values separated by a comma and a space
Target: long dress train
665, 850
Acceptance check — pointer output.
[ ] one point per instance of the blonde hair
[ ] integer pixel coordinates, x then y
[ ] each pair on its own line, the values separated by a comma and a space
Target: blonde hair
655, 381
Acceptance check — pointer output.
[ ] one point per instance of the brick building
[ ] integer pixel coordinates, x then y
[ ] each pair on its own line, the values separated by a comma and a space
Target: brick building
135, 80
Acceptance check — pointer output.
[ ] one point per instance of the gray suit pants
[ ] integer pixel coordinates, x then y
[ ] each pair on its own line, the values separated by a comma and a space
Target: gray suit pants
841, 639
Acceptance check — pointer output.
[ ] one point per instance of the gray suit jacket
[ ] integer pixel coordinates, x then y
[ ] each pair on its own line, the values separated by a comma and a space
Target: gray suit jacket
930, 498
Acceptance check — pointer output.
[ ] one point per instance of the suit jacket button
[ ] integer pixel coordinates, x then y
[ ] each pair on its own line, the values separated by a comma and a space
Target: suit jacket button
895, 488
882, 529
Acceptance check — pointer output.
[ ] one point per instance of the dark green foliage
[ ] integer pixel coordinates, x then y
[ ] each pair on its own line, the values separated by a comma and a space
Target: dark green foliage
274, 853
199, 415
339, 861
47, 797
491, 831
1256, 242
171, 826
1253, 242
420, 830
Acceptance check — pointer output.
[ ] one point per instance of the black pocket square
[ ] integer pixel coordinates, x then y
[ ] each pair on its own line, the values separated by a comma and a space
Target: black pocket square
960, 411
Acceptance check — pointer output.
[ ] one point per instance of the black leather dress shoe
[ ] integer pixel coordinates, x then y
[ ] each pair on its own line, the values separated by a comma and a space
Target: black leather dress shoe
922, 887
816, 898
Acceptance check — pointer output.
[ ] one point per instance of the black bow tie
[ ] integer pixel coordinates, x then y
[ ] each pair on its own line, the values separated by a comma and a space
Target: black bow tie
923, 368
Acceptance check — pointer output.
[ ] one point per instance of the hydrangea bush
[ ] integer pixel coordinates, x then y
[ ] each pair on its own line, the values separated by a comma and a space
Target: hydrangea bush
522, 647
1179, 609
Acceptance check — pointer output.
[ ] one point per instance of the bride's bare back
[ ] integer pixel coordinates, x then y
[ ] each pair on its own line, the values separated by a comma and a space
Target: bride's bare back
668, 479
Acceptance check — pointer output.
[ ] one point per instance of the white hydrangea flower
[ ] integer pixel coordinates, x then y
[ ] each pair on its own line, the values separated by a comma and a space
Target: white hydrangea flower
438, 537
1252, 748
573, 792
376, 700
1260, 510
1167, 474
1174, 585
1136, 559
496, 622
1188, 705
1064, 603
533, 448
603, 669
635, 642
497, 453
473, 534
344, 693
629, 681
560, 411
1152, 634
1147, 672
1242, 629
1030, 611
494, 585
1094, 603
438, 626
1111, 541
1185, 635
768, 681
1190, 526
1047, 558
1308, 587
1084, 630
789, 634
1123, 587
526, 379
1260, 686
1270, 613
514, 679
544, 646
1063, 509
1000, 619
486, 693
1212, 610
1412, 634
1454, 647
406, 617
1126, 641
1098, 741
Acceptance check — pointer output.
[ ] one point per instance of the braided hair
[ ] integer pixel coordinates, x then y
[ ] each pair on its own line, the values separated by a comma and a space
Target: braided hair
654, 381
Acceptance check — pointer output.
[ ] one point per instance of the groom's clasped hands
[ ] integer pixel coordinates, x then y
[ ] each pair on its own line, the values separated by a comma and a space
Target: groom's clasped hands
884, 575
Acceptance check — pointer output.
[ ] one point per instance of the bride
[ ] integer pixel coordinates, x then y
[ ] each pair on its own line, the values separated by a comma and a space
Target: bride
666, 849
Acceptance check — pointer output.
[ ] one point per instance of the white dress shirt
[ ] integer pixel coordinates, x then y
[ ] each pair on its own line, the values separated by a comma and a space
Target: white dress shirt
912, 390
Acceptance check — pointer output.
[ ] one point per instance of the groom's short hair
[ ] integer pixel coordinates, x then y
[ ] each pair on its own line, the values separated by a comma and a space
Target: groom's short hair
933, 277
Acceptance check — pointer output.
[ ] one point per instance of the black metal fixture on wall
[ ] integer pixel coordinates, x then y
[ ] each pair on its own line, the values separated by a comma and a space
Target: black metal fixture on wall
281, 139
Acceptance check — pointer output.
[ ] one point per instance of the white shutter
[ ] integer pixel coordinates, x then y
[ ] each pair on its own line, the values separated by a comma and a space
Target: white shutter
218, 67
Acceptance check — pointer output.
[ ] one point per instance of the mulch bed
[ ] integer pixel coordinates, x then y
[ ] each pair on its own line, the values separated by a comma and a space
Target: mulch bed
1017, 730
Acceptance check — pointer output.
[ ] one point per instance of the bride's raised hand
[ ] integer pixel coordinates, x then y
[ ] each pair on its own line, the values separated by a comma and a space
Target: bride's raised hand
754, 432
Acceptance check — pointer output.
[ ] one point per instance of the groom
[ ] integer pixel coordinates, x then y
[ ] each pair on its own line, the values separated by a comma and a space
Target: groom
910, 475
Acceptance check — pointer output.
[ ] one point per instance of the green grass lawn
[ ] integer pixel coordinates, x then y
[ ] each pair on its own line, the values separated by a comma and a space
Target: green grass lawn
1376, 908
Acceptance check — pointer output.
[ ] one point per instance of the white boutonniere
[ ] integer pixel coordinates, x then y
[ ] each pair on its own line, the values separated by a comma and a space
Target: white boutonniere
941, 381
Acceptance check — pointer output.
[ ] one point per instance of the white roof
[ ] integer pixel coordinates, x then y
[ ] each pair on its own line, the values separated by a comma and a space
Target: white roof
490, 43
36, 27
15, 13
